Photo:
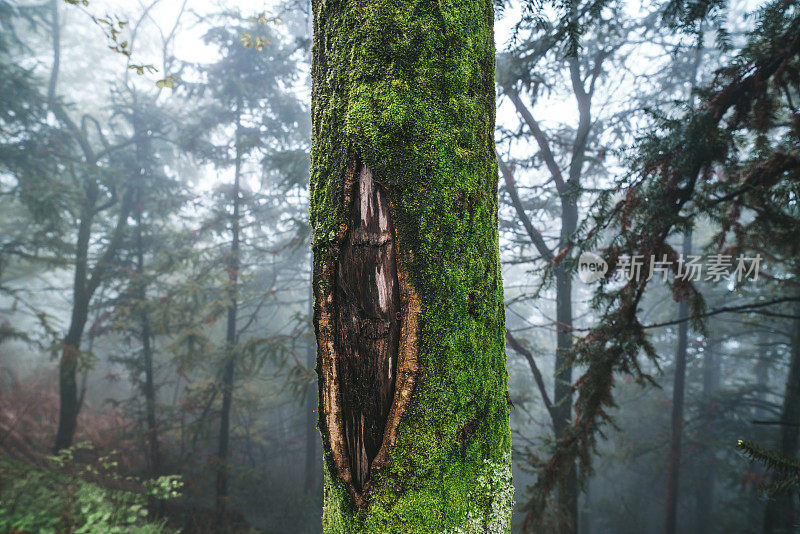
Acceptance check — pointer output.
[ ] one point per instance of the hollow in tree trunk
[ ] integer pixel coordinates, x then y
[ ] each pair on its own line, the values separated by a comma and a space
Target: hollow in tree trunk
409, 310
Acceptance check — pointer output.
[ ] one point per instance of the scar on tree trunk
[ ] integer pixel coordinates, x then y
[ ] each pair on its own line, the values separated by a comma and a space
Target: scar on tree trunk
367, 333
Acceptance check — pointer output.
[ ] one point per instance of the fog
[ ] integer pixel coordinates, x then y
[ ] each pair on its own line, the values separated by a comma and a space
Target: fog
154, 216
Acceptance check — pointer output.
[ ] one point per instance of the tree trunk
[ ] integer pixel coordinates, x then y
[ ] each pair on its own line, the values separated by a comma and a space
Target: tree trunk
86, 280
568, 483
678, 386
230, 341
85, 283
780, 516
761, 371
409, 311
705, 492
707, 477
143, 155
154, 459
71, 347
569, 194
70, 351
569, 191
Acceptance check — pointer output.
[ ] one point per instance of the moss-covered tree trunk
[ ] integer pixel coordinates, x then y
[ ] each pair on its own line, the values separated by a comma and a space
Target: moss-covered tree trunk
408, 296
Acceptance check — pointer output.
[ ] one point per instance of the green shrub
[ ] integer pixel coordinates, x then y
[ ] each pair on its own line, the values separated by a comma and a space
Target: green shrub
60, 499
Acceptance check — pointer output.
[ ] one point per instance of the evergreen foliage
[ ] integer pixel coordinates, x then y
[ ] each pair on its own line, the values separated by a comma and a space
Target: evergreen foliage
786, 471
704, 161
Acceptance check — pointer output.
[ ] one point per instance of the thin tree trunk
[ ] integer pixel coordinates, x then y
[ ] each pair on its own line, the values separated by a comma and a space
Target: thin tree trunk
71, 348
70, 351
705, 492
143, 156
230, 341
676, 428
585, 517
760, 412
409, 311
154, 459
85, 283
85, 280
569, 195
568, 484
707, 477
780, 515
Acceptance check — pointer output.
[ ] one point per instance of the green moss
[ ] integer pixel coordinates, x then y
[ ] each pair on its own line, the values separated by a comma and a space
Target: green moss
408, 86
491, 511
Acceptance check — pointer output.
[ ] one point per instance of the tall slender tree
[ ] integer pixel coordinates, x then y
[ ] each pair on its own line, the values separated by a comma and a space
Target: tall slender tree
678, 393
252, 121
679, 380
544, 67
780, 513
146, 255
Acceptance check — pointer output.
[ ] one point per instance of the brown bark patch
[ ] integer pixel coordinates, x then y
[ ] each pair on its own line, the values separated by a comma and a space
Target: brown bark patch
366, 333
367, 301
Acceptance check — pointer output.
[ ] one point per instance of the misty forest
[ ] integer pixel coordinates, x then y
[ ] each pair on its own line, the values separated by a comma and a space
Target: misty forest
472, 266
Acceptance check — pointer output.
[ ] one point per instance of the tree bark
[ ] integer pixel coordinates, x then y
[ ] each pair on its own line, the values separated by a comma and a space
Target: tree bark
409, 311
780, 515
678, 387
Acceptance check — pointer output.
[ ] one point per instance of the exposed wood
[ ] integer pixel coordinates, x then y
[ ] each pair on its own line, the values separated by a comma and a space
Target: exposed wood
329, 382
366, 323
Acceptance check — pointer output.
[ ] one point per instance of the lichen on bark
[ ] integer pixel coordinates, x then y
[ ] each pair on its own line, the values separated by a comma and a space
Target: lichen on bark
406, 89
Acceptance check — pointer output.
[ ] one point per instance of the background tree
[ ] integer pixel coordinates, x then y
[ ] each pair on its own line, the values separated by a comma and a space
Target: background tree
541, 69
417, 106
668, 185
248, 91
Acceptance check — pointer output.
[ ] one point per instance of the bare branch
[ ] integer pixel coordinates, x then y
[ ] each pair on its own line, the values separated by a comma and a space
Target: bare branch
541, 139
533, 233
537, 375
